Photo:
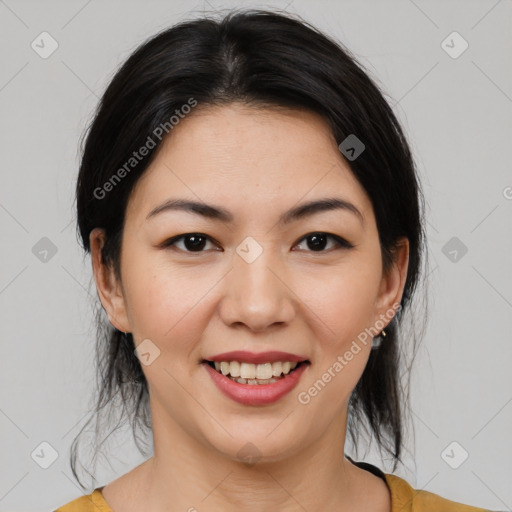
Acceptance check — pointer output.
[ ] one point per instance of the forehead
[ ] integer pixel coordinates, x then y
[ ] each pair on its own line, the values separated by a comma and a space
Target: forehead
246, 157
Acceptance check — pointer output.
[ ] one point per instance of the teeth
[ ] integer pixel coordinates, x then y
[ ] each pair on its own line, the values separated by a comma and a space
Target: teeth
277, 368
224, 368
249, 371
254, 381
234, 369
264, 371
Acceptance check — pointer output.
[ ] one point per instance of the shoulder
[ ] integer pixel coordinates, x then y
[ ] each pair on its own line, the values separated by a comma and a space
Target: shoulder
93, 502
407, 499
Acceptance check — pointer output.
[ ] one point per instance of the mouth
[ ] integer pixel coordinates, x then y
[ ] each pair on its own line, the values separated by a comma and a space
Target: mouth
255, 384
256, 374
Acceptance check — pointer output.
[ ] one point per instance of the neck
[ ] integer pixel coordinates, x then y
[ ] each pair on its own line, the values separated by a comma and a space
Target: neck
193, 475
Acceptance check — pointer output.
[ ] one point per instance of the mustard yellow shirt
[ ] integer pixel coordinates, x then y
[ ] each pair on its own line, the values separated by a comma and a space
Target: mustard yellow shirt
403, 498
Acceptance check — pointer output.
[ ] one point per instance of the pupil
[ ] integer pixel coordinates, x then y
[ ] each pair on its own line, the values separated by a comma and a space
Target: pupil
197, 242
317, 241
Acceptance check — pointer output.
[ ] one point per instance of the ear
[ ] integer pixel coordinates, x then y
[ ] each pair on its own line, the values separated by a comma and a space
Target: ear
109, 289
392, 283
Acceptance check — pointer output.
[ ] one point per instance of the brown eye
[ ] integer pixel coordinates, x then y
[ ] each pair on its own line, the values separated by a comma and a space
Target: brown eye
192, 242
318, 241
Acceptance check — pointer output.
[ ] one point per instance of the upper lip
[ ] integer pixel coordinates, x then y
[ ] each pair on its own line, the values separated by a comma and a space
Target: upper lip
245, 356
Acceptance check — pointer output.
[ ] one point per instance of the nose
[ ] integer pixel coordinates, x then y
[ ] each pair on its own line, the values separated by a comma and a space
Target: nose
257, 295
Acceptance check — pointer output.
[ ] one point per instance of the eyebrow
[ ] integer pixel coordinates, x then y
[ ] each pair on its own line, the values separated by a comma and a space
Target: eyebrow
294, 214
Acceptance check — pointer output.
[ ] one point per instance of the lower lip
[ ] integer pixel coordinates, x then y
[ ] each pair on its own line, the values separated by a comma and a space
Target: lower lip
256, 394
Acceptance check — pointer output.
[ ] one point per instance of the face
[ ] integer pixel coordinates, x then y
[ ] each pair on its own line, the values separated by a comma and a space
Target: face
255, 280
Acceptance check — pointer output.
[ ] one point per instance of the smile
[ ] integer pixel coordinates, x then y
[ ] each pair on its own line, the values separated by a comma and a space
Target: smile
255, 384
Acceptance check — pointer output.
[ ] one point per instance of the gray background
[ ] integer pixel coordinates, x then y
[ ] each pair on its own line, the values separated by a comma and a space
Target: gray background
456, 112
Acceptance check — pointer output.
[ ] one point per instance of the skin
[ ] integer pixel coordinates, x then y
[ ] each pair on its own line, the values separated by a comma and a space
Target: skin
191, 305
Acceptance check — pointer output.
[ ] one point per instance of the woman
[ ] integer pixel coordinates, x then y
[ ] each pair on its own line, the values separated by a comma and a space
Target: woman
254, 220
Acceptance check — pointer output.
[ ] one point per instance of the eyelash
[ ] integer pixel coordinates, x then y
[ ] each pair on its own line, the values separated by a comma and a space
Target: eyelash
342, 243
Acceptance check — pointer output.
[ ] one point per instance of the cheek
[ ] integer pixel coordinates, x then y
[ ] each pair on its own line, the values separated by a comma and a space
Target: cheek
166, 304
341, 310
341, 300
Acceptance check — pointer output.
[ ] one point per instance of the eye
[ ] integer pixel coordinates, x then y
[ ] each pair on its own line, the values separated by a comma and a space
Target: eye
192, 242
317, 241
195, 242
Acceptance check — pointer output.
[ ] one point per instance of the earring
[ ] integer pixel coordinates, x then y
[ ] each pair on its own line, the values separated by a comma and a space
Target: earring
377, 341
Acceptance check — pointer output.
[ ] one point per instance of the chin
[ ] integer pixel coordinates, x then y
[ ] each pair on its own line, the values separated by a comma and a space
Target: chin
257, 448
